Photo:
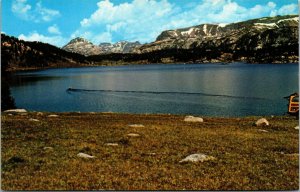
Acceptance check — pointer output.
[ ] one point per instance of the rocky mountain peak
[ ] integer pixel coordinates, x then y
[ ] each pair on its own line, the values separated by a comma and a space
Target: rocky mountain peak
78, 40
104, 44
119, 47
84, 47
213, 30
255, 34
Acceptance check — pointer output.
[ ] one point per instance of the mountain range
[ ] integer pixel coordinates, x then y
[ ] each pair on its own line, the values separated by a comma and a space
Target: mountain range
253, 34
256, 34
84, 47
262, 40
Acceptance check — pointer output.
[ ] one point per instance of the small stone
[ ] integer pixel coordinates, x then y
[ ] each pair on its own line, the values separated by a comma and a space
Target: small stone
136, 125
85, 156
53, 115
10, 114
35, 120
48, 148
111, 144
23, 114
193, 119
262, 122
297, 127
197, 157
262, 130
133, 135
15, 111
40, 113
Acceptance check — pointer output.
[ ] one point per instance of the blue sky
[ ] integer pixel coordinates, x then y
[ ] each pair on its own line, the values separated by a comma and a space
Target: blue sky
58, 21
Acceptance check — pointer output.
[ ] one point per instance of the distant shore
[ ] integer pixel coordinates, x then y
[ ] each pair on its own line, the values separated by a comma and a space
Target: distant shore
46, 151
112, 64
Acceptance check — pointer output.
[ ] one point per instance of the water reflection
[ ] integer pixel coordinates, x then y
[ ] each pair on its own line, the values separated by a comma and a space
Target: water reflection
223, 90
21, 80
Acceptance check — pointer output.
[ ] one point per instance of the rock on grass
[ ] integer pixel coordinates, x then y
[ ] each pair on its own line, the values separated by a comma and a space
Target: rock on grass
263, 130
111, 144
193, 119
262, 122
136, 125
198, 157
34, 120
16, 111
53, 115
48, 148
85, 156
133, 135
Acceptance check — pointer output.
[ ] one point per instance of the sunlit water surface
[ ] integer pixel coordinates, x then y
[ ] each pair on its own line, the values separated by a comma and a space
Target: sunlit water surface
200, 89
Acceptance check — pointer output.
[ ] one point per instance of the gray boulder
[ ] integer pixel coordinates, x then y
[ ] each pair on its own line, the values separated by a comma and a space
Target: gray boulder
198, 157
193, 119
16, 111
133, 135
85, 156
136, 125
262, 122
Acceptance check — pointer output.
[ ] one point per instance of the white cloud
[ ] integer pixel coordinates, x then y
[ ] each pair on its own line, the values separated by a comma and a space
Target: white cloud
285, 10
271, 5
134, 21
53, 40
54, 30
46, 14
229, 13
288, 9
104, 37
116, 26
25, 11
21, 9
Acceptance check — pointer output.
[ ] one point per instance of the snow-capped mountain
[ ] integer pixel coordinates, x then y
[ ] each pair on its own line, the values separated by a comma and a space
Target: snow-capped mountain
84, 47
251, 34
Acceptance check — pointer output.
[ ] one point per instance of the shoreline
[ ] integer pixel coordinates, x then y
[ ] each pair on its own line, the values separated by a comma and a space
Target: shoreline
139, 114
26, 69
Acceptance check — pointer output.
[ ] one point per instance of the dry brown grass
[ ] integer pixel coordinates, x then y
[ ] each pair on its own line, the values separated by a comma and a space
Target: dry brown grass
247, 159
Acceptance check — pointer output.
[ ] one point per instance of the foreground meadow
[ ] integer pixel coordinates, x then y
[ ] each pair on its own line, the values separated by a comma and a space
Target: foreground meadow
39, 152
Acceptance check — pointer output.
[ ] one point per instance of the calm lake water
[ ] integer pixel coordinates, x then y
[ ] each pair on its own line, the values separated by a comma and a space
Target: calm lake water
200, 89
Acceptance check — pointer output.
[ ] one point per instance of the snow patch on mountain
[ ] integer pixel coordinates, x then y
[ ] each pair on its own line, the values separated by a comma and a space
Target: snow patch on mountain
189, 32
289, 19
266, 24
222, 24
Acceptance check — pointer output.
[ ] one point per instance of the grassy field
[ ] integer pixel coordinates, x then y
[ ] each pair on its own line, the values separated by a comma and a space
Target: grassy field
247, 157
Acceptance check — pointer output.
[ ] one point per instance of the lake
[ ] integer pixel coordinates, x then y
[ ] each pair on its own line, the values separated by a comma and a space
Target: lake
231, 90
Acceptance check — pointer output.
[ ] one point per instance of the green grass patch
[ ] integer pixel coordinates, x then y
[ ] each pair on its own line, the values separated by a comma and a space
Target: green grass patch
246, 159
